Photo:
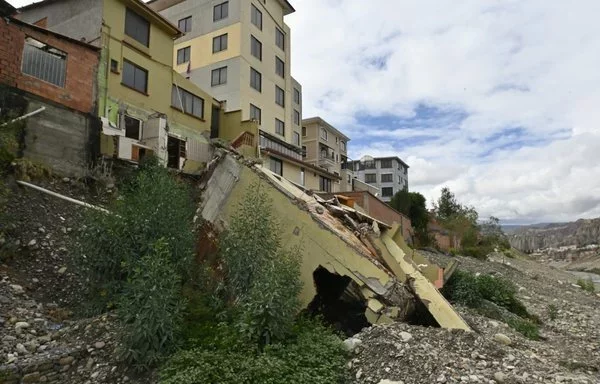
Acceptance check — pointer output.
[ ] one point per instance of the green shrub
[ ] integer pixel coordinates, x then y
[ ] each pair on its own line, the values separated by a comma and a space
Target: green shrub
552, 311
153, 206
453, 252
312, 355
262, 279
478, 252
150, 308
587, 285
525, 327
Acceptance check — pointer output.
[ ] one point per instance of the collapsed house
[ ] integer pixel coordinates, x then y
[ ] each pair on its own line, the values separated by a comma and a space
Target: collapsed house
356, 269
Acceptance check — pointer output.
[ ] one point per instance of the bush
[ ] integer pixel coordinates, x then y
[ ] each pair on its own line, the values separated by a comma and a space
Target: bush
525, 327
312, 355
587, 285
151, 308
552, 312
262, 279
153, 206
478, 252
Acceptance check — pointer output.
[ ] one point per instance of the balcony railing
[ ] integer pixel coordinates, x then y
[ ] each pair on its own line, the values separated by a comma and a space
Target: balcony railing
286, 149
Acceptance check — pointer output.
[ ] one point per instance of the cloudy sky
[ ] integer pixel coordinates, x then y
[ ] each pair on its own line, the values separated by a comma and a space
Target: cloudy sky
499, 100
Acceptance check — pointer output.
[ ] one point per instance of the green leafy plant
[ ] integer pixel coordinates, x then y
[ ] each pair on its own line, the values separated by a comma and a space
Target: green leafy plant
525, 327
587, 285
151, 308
262, 279
552, 311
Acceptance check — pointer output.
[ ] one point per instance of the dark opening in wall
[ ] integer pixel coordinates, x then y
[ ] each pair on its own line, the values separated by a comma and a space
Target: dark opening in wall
339, 301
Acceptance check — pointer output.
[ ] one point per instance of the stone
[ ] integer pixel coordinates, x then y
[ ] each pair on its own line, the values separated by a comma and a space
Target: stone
502, 339
359, 374
35, 281
33, 377
351, 343
386, 381
11, 358
441, 378
499, 377
99, 344
17, 289
405, 336
66, 360
21, 325
62, 270
95, 374
32, 243
21, 349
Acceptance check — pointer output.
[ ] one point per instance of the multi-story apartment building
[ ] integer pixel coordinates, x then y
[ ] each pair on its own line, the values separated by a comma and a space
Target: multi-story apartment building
240, 51
144, 104
326, 147
389, 174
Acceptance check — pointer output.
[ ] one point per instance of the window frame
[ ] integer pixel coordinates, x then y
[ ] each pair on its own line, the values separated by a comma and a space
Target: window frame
324, 136
254, 41
296, 138
183, 95
253, 77
255, 108
218, 40
389, 177
278, 163
279, 127
279, 33
222, 15
383, 165
325, 184
187, 49
129, 14
139, 127
297, 97
371, 178
256, 16
133, 86
220, 76
383, 194
279, 96
187, 21
279, 67
297, 118
39, 68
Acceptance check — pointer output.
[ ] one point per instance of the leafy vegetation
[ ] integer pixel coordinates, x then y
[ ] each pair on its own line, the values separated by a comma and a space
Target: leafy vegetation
587, 285
413, 205
552, 312
473, 291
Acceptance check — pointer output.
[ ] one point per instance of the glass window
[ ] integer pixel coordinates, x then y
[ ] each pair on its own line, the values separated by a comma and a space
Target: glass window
296, 96
371, 178
304, 151
255, 48
387, 178
324, 134
137, 27
218, 76
219, 43
296, 138
276, 166
132, 127
280, 39
343, 145
279, 96
279, 67
255, 113
255, 79
187, 102
221, 11
324, 184
183, 55
256, 17
303, 131
387, 191
296, 117
135, 77
185, 24
386, 163
279, 127
44, 62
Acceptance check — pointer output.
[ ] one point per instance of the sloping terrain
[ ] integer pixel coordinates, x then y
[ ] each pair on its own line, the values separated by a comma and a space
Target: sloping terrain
578, 234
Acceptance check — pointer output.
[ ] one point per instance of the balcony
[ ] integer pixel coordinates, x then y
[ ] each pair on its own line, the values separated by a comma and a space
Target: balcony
271, 143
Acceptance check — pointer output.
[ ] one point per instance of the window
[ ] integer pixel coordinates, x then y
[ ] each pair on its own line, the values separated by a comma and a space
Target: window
175, 151
279, 67
220, 43
114, 66
218, 76
276, 166
255, 48
44, 62
304, 151
132, 127
187, 102
343, 145
369, 164
387, 192
279, 96
255, 113
324, 184
386, 163
387, 178
135, 77
296, 96
324, 134
185, 25
255, 79
371, 178
183, 55
296, 139
137, 27
296, 117
348, 175
221, 11
280, 39
279, 127
256, 17
303, 131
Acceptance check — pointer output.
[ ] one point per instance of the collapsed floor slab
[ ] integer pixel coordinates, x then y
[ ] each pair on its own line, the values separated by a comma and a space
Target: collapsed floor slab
342, 241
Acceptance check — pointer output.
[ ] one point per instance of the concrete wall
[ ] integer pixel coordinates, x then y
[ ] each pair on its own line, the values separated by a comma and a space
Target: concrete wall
81, 66
398, 171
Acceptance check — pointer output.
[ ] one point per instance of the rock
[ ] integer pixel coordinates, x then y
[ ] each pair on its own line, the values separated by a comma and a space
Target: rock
21, 349
17, 289
386, 381
359, 374
35, 281
441, 378
66, 360
21, 325
11, 358
62, 270
499, 377
405, 336
351, 343
101, 344
95, 374
502, 339
32, 243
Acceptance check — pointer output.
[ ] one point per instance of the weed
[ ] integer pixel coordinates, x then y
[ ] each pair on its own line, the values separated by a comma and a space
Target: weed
525, 327
552, 312
587, 285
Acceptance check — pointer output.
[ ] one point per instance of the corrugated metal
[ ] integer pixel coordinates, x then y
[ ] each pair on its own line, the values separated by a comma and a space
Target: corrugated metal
44, 65
199, 151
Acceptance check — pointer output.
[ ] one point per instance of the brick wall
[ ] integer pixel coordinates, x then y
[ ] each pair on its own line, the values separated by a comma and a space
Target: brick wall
82, 63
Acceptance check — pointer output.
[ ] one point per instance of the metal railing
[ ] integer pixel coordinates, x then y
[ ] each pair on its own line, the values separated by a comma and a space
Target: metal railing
45, 65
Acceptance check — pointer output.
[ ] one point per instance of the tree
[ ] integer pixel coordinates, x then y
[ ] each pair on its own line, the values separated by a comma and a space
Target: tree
447, 206
413, 205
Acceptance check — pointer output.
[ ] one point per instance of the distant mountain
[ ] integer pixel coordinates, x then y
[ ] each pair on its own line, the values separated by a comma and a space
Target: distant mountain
512, 228
553, 235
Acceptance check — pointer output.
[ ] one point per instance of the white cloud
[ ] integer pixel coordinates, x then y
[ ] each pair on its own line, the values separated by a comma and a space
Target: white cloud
507, 64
